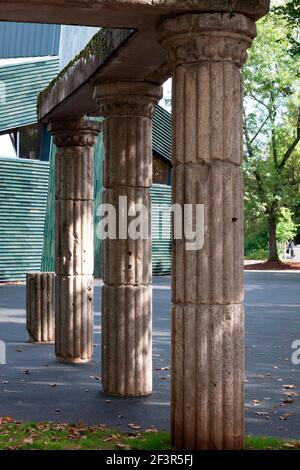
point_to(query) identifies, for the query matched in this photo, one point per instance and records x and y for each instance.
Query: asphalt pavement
(34, 387)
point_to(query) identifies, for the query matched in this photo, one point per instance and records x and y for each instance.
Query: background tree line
(272, 133)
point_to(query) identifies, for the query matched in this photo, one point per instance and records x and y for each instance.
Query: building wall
(20, 83)
(23, 200)
(27, 187)
(161, 220)
(28, 40)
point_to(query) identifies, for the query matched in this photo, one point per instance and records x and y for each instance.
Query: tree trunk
(273, 250)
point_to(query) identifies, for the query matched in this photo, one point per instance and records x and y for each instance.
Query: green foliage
(271, 125)
(259, 254)
(286, 228)
(290, 11)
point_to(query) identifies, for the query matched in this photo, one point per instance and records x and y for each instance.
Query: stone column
(207, 52)
(74, 238)
(40, 298)
(127, 268)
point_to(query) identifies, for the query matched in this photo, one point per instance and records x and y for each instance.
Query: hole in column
(234, 219)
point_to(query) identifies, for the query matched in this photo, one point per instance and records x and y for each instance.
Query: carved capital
(207, 37)
(127, 98)
(74, 133)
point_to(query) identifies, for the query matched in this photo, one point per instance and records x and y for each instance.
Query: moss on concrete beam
(105, 42)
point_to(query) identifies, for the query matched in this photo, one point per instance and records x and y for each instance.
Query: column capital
(207, 37)
(127, 98)
(74, 132)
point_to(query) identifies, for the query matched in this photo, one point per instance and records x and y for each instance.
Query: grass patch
(16, 435)
(270, 443)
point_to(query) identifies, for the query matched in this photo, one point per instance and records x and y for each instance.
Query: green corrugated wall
(23, 200)
(161, 223)
(161, 229)
(49, 238)
(47, 264)
(20, 84)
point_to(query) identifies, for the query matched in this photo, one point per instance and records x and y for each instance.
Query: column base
(72, 360)
(32, 341)
(129, 395)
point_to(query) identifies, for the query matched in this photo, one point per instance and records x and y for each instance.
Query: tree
(271, 127)
(286, 227)
(290, 11)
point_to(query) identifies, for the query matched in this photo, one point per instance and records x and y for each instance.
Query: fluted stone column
(207, 52)
(127, 267)
(40, 299)
(74, 238)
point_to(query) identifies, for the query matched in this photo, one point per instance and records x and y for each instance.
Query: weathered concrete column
(207, 52)
(74, 238)
(127, 267)
(40, 298)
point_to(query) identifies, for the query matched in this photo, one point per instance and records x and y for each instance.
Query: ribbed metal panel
(161, 202)
(47, 263)
(28, 40)
(19, 86)
(161, 229)
(23, 198)
(162, 133)
(161, 221)
(98, 191)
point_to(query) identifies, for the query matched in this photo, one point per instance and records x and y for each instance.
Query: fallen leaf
(6, 419)
(285, 416)
(290, 394)
(28, 440)
(255, 402)
(134, 426)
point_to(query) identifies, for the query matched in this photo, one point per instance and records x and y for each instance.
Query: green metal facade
(23, 200)
(161, 220)
(49, 237)
(20, 84)
(161, 229)
(162, 133)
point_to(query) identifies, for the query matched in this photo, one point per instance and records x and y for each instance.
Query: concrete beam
(121, 54)
(124, 54)
(71, 92)
(119, 13)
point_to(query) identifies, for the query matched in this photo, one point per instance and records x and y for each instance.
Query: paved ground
(34, 387)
